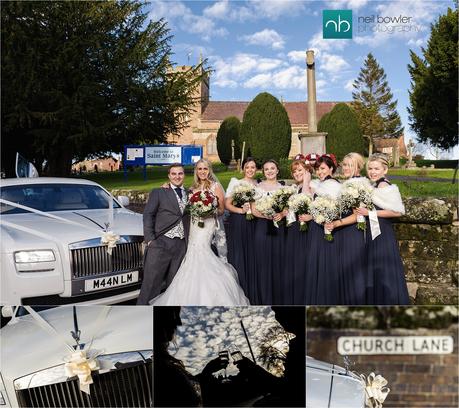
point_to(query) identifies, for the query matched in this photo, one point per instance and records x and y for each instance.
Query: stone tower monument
(312, 141)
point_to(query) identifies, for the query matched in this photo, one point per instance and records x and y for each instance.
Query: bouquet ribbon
(375, 390)
(108, 237)
(291, 217)
(374, 224)
(77, 363)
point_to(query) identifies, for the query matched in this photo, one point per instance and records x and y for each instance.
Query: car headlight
(34, 256)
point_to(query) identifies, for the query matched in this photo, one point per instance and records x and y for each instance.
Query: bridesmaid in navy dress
(322, 264)
(240, 233)
(386, 283)
(269, 244)
(296, 242)
(351, 245)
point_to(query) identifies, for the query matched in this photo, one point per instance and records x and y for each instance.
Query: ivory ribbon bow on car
(78, 362)
(108, 237)
(375, 390)
(81, 365)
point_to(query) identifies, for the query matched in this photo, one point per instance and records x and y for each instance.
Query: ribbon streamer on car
(108, 238)
(81, 362)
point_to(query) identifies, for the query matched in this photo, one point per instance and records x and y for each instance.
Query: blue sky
(257, 46)
(206, 330)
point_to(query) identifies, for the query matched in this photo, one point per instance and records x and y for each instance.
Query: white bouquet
(244, 193)
(324, 209)
(299, 205)
(280, 198)
(356, 193)
(265, 206)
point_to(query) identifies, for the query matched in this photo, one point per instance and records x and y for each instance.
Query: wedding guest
(294, 281)
(322, 264)
(351, 244)
(240, 231)
(386, 283)
(269, 244)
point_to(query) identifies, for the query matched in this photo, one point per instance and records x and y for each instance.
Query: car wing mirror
(123, 200)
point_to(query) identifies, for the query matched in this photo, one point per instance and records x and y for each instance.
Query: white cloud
(346, 4)
(219, 9)
(419, 42)
(349, 85)
(293, 77)
(225, 10)
(266, 37)
(197, 344)
(332, 64)
(297, 56)
(273, 9)
(231, 71)
(259, 81)
(178, 14)
(318, 44)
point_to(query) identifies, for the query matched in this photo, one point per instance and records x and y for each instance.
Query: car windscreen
(55, 197)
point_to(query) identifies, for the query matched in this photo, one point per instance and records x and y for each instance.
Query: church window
(212, 145)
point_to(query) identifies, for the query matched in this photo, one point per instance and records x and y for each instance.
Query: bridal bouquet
(244, 193)
(280, 198)
(299, 204)
(324, 209)
(356, 193)
(201, 204)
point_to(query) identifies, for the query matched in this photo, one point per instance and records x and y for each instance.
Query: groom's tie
(178, 190)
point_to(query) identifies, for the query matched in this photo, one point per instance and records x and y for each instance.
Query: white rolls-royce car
(51, 250)
(35, 350)
(331, 386)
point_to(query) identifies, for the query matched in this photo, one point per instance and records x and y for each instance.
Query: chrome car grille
(130, 386)
(92, 260)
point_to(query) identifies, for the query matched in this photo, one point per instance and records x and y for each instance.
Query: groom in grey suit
(166, 228)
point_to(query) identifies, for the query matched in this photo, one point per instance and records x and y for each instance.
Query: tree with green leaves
(344, 134)
(82, 79)
(374, 105)
(433, 108)
(226, 135)
(266, 129)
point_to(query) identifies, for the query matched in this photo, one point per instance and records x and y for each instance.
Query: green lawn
(419, 172)
(426, 189)
(155, 177)
(158, 175)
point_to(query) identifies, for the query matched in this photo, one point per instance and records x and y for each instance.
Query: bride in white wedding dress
(204, 279)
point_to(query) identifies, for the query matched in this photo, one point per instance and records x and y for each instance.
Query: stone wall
(428, 238)
(415, 380)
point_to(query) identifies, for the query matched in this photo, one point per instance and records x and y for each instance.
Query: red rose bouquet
(201, 204)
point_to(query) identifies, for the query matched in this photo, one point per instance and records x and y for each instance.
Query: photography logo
(337, 24)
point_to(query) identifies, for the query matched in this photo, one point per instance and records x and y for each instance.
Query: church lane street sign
(371, 345)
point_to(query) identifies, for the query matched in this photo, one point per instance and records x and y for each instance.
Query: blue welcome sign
(154, 155)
